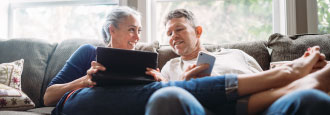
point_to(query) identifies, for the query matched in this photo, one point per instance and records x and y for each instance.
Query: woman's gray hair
(113, 18)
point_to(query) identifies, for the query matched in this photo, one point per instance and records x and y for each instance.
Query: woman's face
(127, 34)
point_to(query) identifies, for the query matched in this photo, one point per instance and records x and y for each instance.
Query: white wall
(4, 18)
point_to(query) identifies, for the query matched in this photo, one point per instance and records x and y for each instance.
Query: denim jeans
(210, 92)
(305, 102)
(174, 101)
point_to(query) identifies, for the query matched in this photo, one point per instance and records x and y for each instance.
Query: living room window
(323, 13)
(56, 20)
(223, 21)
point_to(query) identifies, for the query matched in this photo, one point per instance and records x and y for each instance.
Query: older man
(184, 38)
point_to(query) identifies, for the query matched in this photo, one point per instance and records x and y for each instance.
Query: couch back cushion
(287, 48)
(36, 54)
(256, 49)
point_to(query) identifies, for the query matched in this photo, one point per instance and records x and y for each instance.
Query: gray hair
(179, 13)
(113, 19)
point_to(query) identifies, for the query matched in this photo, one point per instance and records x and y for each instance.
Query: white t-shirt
(228, 61)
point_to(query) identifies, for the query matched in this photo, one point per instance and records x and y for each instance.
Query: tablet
(124, 66)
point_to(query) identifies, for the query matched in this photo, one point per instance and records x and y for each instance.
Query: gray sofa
(43, 59)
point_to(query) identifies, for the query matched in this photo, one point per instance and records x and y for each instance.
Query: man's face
(127, 34)
(182, 36)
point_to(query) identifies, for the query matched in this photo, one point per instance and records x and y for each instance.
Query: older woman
(122, 30)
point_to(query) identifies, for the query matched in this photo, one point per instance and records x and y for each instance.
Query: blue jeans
(210, 92)
(305, 102)
(174, 101)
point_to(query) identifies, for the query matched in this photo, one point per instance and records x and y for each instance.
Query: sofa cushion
(257, 49)
(151, 47)
(42, 110)
(19, 113)
(35, 53)
(287, 48)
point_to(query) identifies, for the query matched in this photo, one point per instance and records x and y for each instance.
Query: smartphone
(206, 58)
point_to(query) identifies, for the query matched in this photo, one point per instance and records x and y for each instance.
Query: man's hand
(194, 71)
(156, 74)
(86, 80)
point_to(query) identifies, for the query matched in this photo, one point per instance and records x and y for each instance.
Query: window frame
(284, 17)
(312, 17)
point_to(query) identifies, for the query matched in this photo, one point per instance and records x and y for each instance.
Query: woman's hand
(156, 74)
(194, 71)
(86, 81)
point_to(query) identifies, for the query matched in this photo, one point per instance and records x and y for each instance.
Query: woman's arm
(54, 93)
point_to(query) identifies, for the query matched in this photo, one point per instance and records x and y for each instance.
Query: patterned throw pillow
(14, 99)
(10, 73)
(11, 96)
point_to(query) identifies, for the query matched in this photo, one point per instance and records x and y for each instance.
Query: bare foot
(317, 80)
(323, 79)
(304, 65)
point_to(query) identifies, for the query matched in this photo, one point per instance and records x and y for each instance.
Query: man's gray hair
(113, 19)
(179, 13)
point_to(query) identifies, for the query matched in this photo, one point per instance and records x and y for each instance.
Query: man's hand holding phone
(204, 58)
(202, 68)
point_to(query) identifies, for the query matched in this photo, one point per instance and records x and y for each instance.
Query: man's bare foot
(311, 60)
